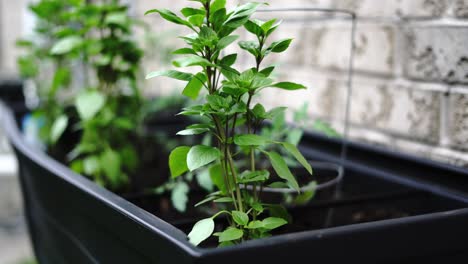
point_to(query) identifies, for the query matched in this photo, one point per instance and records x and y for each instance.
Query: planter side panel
(436, 239)
(69, 225)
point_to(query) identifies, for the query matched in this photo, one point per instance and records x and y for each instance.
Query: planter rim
(175, 235)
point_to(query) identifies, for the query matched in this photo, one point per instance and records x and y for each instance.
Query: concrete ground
(15, 247)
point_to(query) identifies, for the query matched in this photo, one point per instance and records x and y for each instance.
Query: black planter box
(72, 220)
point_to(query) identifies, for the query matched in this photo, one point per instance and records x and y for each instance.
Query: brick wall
(411, 69)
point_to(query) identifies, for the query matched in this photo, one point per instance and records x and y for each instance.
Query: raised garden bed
(389, 208)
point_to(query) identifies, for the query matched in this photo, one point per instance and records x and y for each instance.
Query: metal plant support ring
(337, 167)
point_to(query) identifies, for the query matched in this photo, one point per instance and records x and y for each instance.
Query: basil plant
(236, 161)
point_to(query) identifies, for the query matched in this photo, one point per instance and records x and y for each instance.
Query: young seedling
(231, 118)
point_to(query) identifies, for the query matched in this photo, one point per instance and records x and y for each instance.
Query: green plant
(231, 119)
(55, 70)
(109, 108)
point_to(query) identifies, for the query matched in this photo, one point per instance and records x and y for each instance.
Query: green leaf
(267, 71)
(110, 164)
(250, 46)
(255, 224)
(206, 200)
(297, 154)
(58, 127)
(66, 45)
(279, 46)
(217, 178)
(218, 18)
(273, 222)
(184, 51)
(182, 76)
(178, 161)
(201, 231)
(91, 165)
(117, 18)
(294, 136)
(192, 131)
(288, 86)
(88, 103)
(231, 233)
(253, 28)
(259, 111)
(188, 11)
(229, 59)
(204, 180)
(241, 15)
(240, 218)
(226, 41)
(201, 155)
(179, 196)
(192, 90)
(306, 196)
(207, 37)
(281, 168)
(170, 16)
(217, 5)
(196, 20)
(254, 176)
(224, 200)
(279, 211)
(268, 25)
(192, 61)
(257, 207)
(250, 140)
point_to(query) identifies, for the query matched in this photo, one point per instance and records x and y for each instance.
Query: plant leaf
(281, 168)
(192, 90)
(88, 103)
(201, 231)
(206, 200)
(253, 28)
(178, 161)
(58, 127)
(288, 86)
(201, 155)
(196, 20)
(255, 224)
(216, 5)
(298, 155)
(204, 180)
(224, 200)
(194, 60)
(184, 51)
(192, 131)
(182, 76)
(279, 46)
(66, 45)
(240, 218)
(170, 16)
(226, 41)
(229, 60)
(250, 140)
(254, 176)
(110, 164)
(179, 196)
(273, 222)
(188, 11)
(231, 233)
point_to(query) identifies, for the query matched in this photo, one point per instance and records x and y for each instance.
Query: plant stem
(234, 174)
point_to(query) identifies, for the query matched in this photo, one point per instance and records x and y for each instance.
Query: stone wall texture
(411, 67)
